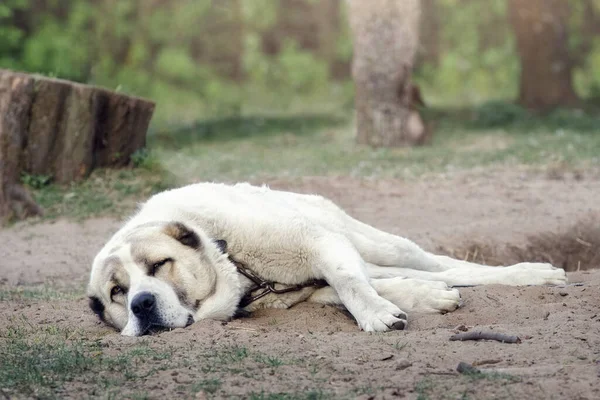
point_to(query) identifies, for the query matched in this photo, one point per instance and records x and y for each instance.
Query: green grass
(268, 360)
(459, 386)
(227, 129)
(49, 361)
(38, 362)
(328, 148)
(106, 191)
(231, 358)
(307, 395)
(42, 366)
(230, 354)
(45, 292)
(207, 385)
(423, 387)
(255, 148)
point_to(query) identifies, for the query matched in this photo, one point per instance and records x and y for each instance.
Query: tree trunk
(541, 29)
(385, 35)
(430, 33)
(62, 130)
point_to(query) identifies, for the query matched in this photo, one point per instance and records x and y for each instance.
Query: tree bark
(430, 33)
(15, 101)
(62, 130)
(541, 29)
(385, 35)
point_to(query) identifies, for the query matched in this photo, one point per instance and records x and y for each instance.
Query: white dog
(203, 250)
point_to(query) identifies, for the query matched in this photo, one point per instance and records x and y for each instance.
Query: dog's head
(158, 275)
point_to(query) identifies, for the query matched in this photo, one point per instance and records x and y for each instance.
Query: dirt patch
(574, 249)
(313, 351)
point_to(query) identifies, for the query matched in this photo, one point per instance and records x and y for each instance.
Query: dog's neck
(230, 288)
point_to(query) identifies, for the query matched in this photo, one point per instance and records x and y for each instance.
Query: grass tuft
(45, 292)
(308, 395)
(208, 385)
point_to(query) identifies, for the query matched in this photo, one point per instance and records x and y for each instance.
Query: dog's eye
(156, 266)
(116, 290)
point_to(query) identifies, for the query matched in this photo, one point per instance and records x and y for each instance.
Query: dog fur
(168, 266)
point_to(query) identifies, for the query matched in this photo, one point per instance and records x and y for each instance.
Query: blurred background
(256, 89)
(208, 58)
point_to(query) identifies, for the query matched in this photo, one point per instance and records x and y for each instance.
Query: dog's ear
(97, 307)
(183, 234)
(222, 245)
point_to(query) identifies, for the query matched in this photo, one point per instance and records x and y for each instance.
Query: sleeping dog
(201, 251)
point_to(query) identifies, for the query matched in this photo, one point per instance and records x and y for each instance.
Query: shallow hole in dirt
(573, 249)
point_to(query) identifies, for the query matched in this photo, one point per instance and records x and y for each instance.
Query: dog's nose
(143, 305)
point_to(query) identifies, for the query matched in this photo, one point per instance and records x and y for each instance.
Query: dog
(201, 251)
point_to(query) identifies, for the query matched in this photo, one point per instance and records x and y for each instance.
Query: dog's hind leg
(388, 250)
(412, 295)
(382, 250)
(375, 246)
(475, 274)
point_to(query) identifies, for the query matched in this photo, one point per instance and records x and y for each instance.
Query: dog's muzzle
(143, 307)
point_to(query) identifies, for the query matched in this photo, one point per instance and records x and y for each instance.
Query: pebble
(403, 364)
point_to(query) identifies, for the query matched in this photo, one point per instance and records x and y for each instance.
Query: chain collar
(265, 287)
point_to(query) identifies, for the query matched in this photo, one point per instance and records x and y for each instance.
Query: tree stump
(63, 130)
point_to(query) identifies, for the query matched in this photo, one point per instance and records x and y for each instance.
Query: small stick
(451, 373)
(241, 328)
(484, 362)
(479, 335)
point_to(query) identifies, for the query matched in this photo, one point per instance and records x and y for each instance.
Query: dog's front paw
(385, 319)
(535, 274)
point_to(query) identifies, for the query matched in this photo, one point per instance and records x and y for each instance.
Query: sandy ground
(313, 351)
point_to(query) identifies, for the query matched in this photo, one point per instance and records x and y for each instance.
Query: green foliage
(208, 58)
(575, 120)
(478, 56)
(496, 114)
(176, 63)
(35, 181)
(227, 129)
(300, 70)
(291, 73)
(61, 47)
(11, 36)
(260, 14)
(182, 53)
(144, 158)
